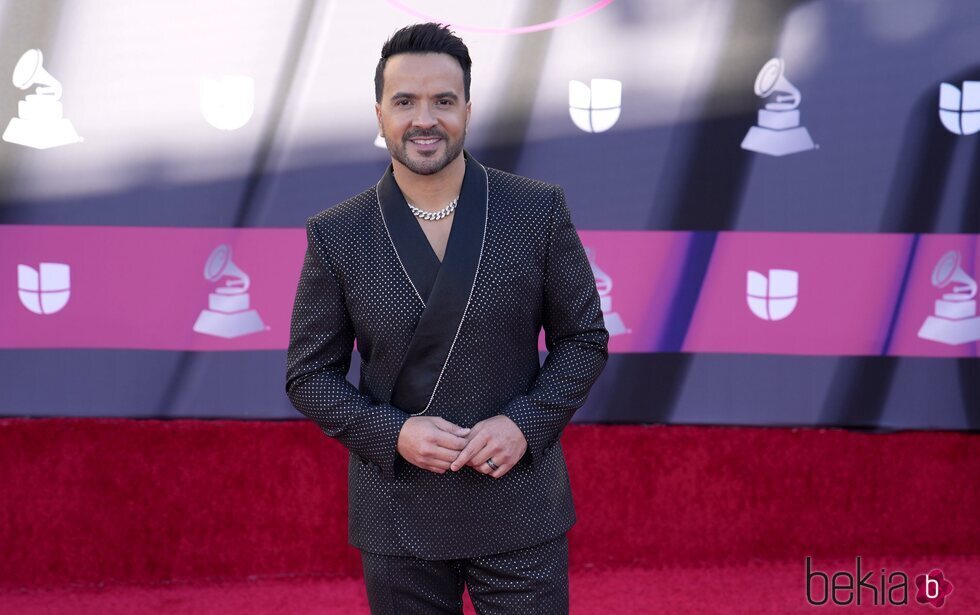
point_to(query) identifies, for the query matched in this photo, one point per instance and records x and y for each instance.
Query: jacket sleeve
(321, 339)
(575, 335)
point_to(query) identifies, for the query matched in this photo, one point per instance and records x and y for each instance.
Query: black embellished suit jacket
(457, 339)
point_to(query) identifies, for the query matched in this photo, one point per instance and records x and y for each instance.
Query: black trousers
(524, 582)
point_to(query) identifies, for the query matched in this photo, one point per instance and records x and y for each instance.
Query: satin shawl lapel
(420, 263)
(445, 289)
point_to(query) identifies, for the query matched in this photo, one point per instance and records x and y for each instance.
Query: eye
(445, 102)
(402, 102)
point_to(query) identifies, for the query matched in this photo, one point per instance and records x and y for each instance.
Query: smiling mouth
(428, 141)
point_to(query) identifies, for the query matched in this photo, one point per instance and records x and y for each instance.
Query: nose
(423, 119)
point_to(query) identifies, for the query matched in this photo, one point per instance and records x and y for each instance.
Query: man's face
(422, 114)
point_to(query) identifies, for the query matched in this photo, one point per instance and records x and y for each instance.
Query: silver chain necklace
(433, 215)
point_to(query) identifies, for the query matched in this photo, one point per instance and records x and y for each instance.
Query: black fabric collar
(412, 246)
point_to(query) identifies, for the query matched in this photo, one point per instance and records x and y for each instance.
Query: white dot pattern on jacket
(532, 272)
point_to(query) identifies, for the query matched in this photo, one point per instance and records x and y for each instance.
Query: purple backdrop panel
(145, 287)
(799, 293)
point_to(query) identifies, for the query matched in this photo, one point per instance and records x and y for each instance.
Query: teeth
(424, 141)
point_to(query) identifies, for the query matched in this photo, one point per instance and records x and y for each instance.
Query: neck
(431, 192)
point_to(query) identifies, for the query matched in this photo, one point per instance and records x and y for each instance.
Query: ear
(377, 112)
(469, 107)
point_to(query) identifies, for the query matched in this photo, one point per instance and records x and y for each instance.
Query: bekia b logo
(932, 588)
(227, 104)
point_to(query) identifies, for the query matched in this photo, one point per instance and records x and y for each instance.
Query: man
(444, 273)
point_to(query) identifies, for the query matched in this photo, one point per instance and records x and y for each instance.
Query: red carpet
(759, 588)
(176, 516)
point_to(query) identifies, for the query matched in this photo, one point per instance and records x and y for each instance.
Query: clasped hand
(435, 444)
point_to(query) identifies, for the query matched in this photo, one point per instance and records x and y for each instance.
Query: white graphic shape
(775, 297)
(228, 314)
(44, 290)
(595, 108)
(955, 320)
(228, 103)
(39, 123)
(778, 132)
(960, 111)
(603, 283)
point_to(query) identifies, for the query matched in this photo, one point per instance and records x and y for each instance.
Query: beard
(425, 164)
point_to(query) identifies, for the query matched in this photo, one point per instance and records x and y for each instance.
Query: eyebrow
(399, 95)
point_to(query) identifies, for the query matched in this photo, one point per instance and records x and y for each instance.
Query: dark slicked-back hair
(424, 38)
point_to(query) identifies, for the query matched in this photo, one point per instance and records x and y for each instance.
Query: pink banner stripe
(768, 293)
(637, 274)
(840, 302)
(144, 287)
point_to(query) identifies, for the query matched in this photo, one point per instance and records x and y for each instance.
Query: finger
(450, 427)
(502, 468)
(438, 468)
(479, 459)
(445, 439)
(436, 461)
(467, 453)
(444, 455)
(487, 447)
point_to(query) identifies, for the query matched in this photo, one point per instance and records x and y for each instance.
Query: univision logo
(773, 297)
(228, 103)
(44, 290)
(595, 107)
(960, 110)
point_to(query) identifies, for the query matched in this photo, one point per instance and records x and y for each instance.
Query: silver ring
(492, 464)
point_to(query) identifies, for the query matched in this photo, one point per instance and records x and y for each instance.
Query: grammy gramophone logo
(778, 132)
(954, 319)
(40, 122)
(229, 313)
(604, 284)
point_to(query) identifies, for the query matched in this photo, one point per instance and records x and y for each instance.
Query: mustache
(424, 134)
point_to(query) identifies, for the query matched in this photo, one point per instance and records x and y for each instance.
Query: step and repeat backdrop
(780, 199)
